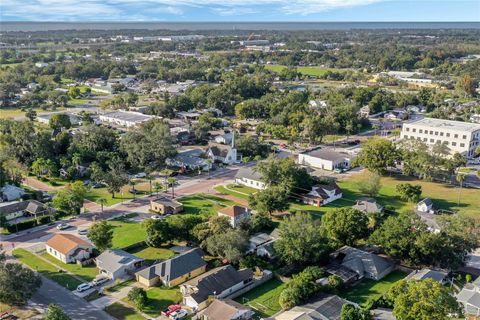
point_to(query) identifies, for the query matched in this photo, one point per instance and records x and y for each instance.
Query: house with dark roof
(68, 248)
(250, 178)
(368, 205)
(217, 283)
(13, 210)
(225, 310)
(322, 307)
(235, 214)
(174, 271)
(118, 264)
(164, 205)
(325, 159)
(469, 297)
(193, 159)
(225, 153)
(10, 192)
(322, 194)
(439, 276)
(364, 263)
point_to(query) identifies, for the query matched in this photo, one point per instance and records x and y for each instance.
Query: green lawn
(46, 269)
(308, 71)
(121, 312)
(79, 101)
(203, 203)
(96, 193)
(151, 254)
(160, 298)
(88, 272)
(371, 289)
(242, 189)
(232, 192)
(264, 298)
(443, 196)
(126, 232)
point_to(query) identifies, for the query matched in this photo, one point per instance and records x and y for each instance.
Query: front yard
(46, 269)
(159, 298)
(264, 298)
(88, 272)
(370, 289)
(126, 232)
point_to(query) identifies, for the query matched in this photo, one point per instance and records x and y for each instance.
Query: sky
(240, 10)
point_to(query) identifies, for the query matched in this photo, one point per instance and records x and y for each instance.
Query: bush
(27, 224)
(139, 297)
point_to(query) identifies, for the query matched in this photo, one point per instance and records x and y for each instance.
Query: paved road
(75, 307)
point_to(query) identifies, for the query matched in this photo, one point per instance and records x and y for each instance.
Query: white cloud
(131, 9)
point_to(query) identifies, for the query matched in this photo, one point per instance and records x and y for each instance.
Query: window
(441, 134)
(448, 134)
(455, 135)
(425, 139)
(414, 130)
(407, 129)
(436, 133)
(454, 144)
(420, 131)
(462, 145)
(464, 137)
(431, 132)
(446, 143)
(432, 140)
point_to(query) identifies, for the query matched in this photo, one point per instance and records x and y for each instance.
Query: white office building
(461, 137)
(125, 118)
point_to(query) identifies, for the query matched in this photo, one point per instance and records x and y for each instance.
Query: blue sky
(240, 10)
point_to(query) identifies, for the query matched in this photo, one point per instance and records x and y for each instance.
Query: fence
(267, 275)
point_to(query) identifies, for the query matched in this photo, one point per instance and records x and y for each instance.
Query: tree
(300, 242)
(73, 92)
(101, 234)
(133, 183)
(460, 178)
(17, 282)
(230, 245)
(369, 183)
(376, 155)
(260, 222)
(409, 192)
(157, 186)
(421, 300)
(138, 296)
(467, 85)
(31, 114)
(115, 181)
(274, 198)
(214, 225)
(345, 226)
(158, 232)
(350, 312)
(60, 121)
(102, 201)
(55, 312)
(70, 199)
(171, 181)
(301, 287)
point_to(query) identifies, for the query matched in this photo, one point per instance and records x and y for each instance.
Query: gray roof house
(322, 307)
(118, 264)
(469, 297)
(365, 264)
(192, 159)
(14, 210)
(174, 271)
(10, 192)
(368, 205)
(250, 178)
(425, 273)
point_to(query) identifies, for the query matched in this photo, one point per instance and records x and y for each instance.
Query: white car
(157, 217)
(63, 226)
(178, 314)
(83, 232)
(100, 280)
(84, 287)
(140, 175)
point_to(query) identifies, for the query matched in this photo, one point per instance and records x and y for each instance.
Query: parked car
(339, 170)
(133, 191)
(171, 309)
(140, 175)
(100, 280)
(157, 217)
(178, 314)
(84, 287)
(63, 226)
(83, 232)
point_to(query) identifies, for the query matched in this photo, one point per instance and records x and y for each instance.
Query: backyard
(264, 298)
(370, 289)
(151, 254)
(159, 299)
(46, 269)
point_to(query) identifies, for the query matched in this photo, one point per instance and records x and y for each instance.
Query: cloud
(151, 9)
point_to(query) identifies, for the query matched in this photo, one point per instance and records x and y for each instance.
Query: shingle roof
(368, 205)
(217, 281)
(176, 266)
(233, 211)
(112, 260)
(219, 150)
(222, 309)
(328, 154)
(248, 173)
(322, 307)
(427, 274)
(167, 202)
(64, 242)
(361, 261)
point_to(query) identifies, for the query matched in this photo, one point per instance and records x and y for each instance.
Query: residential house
(174, 271)
(13, 210)
(10, 192)
(469, 297)
(347, 275)
(425, 205)
(235, 214)
(365, 264)
(250, 178)
(322, 307)
(224, 138)
(68, 248)
(164, 205)
(439, 276)
(219, 283)
(368, 205)
(266, 249)
(118, 264)
(257, 240)
(322, 194)
(325, 159)
(226, 154)
(189, 160)
(226, 309)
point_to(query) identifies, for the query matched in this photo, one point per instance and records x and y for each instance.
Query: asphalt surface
(75, 307)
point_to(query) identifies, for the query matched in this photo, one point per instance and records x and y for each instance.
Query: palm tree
(150, 178)
(157, 186)
(133, 183)
(102, 202)
(460, 178)
(171, 182)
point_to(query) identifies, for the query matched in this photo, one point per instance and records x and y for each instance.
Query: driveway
(75, 307)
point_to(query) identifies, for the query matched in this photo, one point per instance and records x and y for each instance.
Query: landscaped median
(47, 269)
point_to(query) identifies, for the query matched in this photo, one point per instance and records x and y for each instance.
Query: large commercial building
(125, 118)
(461, 137)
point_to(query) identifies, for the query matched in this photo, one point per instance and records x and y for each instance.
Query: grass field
(151, 254)
(96, 193)
(203, 203)
(371, 289)
(232, 192)
(122, 312)
(159, 299)
(46, 269)
(308, 71)
(126, 232)
(264, 298)
(443, 196)
(88, 272)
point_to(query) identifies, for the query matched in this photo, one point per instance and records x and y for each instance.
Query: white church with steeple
(225, 153)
